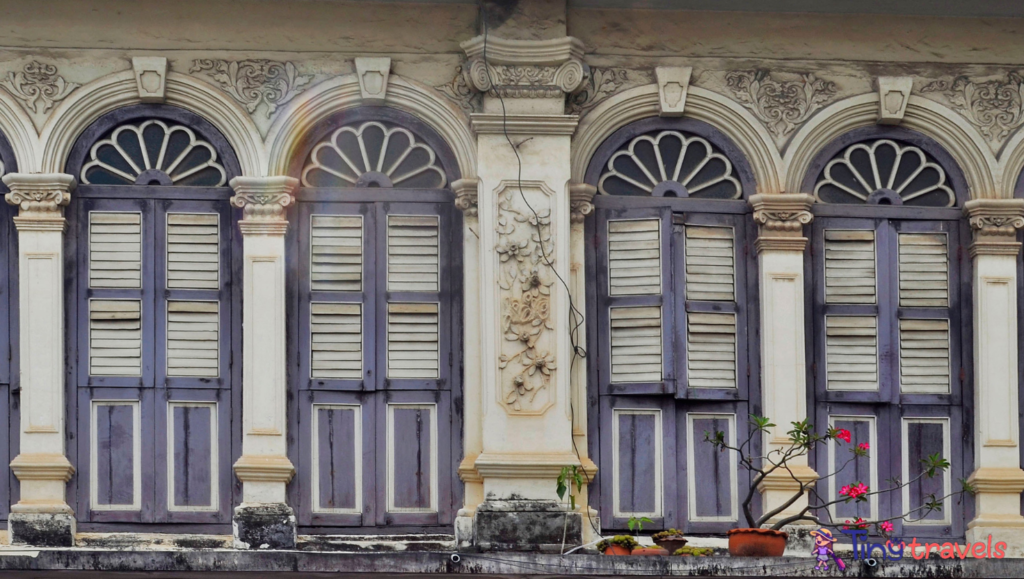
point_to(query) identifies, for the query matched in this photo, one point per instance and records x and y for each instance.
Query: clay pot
(757, 543)
(671, 544)
(616, 550)
(649, 551)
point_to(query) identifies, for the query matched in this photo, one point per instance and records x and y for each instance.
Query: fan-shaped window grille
(153, 152)
(670, 164)
(373, 154)
(885, 172)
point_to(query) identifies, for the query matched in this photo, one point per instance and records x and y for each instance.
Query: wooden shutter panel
(849, 266)
(634, 257)
(710, 263)
(337, 340)
(193, 338)
(711, 350)
(924, 270)
(336, 254)
(413, 340)
(636, 344)
(413, 253)
(924, 356)
(115, 337)
(115, 249)
(193, 251)
(851, 352)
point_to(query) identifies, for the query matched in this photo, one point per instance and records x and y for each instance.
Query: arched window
(155, 319)
(375, 357)
(673, 338)
(889, 347)
(9, 383)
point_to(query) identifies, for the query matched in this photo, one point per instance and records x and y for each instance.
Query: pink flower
(861, 488)
(843, 435)
(886, 526)
(864, 446)
(845, 491)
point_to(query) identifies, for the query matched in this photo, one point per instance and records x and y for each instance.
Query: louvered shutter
(924, 270)
(713, 320)
(633, 280)
(413, 264)
(115, 249)
(115, 337)
(193, 251)
(851, 352)
(337, 291)
(193, 338)
(849, 266)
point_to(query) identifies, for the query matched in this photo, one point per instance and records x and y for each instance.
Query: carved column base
(260, 527)
(778, 487)
(42, 529)
(518, 525)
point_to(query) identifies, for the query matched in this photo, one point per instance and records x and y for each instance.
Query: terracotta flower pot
(671, 544)
(757, 543)
(616, 550)
(649, 551)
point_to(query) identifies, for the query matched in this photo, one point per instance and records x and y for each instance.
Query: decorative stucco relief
(255, 82)
(461, 92)
(525, 257)
(38, 86)
(780, 104)
(996, 107)
(602, 83)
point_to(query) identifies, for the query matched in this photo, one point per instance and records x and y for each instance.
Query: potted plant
(618, 545)
(757, 541)
(636, 524)
(670, 539)
(693, 551)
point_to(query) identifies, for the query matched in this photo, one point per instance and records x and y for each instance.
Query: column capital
(466, 195)
(263, 201)
(995, 223)
(525, 68)
(581, 201)
(40, 198)
(781, 219)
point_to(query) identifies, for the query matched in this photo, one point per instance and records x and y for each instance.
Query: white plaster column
(780, 253)
(997, 477)
(264, 468)
(524, 226)
(466, 194)
(42, 515)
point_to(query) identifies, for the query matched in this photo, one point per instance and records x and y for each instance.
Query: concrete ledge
(229, 564)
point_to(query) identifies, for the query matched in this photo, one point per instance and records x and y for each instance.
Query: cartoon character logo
(823, 541)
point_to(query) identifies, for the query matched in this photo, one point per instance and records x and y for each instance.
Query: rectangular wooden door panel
(337, 453)
(853, 470)
(712, 483)
(923, 437)
(638, 464)
(192, 446)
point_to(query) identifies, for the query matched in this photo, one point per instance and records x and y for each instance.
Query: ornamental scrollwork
(38, 86)
(526, 81)
(780, 105)
(254, 82)
(525, 254)
(783, 220)
(996, 107)
(603, 82)
(459, 91)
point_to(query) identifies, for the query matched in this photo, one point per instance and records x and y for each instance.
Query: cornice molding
(272, 468)
(493, 124)
(525, 68)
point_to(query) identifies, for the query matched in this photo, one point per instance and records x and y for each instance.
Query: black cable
(576, 317)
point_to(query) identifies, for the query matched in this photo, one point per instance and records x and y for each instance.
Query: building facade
(274, 270)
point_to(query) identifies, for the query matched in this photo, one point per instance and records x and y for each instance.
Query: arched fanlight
(885, 172)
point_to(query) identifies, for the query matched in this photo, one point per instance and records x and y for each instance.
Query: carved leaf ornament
(884, 172)
(780, 105)
(996, 107)
(153, 152)
(523, 241)
(256, 81)
(38, 86)
(670, 164)
(373, 154)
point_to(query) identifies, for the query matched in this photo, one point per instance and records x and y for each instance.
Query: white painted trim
(659, 462)
(702, 104)
(961, 140)
(214, 458)
(315, 105)
(691, 474)
(434, 448)
(872, 457)
(905, 475)
(94, 504)
(357, 443)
